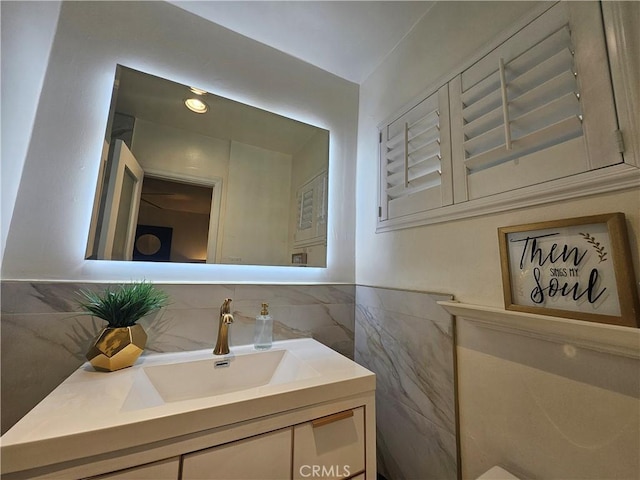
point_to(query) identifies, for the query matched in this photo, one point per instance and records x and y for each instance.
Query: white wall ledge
(602, 337)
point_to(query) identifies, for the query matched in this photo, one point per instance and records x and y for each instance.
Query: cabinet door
(163, 470)
(263, 457)
(331, 447)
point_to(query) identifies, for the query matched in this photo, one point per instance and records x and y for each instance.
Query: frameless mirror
(189, 176)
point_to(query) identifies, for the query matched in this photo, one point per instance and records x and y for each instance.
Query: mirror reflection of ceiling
(161, 101)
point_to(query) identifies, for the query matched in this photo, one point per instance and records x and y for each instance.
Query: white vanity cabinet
(312, 417)
(330, 447)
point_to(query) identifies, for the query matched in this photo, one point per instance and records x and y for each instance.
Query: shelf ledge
(602, 337)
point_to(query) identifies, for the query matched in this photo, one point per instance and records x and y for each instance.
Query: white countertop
(91, 412)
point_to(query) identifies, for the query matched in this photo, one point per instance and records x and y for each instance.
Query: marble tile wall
(407, 339)
(44, 339)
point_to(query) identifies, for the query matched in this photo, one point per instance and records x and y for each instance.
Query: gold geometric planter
(117, 348)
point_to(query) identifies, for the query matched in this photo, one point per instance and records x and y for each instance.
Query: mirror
(217, 181)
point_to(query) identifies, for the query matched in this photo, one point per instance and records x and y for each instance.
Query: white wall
(159, 148)
(53, 206)
(255, 229)
(27, 35)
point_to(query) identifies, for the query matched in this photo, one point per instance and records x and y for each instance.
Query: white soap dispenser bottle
(264, 329)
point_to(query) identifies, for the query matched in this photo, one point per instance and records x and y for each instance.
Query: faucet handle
(225, 308)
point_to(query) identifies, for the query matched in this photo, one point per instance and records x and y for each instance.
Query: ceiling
(347, 38)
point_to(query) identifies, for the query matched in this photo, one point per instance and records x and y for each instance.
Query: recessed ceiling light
(198, 91)
(196, 105)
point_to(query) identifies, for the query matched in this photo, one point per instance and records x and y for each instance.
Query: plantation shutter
(305, 210)
(415, 172)
(519, 114)
(311, 215)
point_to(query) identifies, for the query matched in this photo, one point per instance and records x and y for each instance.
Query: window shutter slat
(422, 171)
(546, 92)
(432, 159)
(561, 62)
(395, 166)
(551, 135)
(394, 154)
(554, 47)
(426, 121)
(547, 114)
(419, 184)
(428, 147)
(426, 135)
(486, 141)
(535, 92)
(395, 141)
(484, 123)
(548, 136)
(478, 93)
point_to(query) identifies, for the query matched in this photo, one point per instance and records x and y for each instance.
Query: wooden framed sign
(577, 268)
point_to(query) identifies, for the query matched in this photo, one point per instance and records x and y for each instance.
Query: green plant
(124, 305)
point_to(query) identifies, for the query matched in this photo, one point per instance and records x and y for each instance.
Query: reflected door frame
(215, 183)
(92, 245)
(123, 164)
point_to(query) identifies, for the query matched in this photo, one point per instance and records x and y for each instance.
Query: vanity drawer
(263, 457)
(331, 447)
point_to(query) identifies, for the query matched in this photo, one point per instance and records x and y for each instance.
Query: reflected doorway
(173, 221)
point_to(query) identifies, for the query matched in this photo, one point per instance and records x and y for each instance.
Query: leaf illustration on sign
(602, 255)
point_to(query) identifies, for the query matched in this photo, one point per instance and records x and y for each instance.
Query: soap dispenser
(264, 329)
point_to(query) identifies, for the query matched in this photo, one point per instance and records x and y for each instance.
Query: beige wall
(540, 406)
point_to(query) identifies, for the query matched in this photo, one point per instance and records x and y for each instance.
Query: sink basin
(231, 373)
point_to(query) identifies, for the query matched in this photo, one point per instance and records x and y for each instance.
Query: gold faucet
(222, 345)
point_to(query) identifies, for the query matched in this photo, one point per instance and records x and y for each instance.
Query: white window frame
(625, 175)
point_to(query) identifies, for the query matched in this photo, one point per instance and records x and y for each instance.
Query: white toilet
(497, 473)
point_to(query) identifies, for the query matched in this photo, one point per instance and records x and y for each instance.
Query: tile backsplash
(407, 340)
(44, 337)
